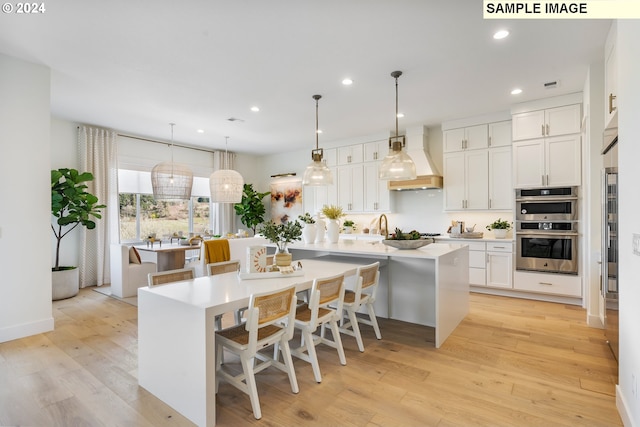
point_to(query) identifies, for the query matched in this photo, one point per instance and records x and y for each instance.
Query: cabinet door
(500, 269)
(350, 154)
(528, 163)
(477, 179)
(527, 125)
(330, 158)
(500, 134)
(454, 181)
(563, 120)
(500, 188)
(452, 140)
(376, 193)
(562, 158)
(350, 188)
(376, 150)
(476, 137)
(611, 87)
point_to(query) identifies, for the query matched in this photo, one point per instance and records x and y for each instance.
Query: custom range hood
(428, 175)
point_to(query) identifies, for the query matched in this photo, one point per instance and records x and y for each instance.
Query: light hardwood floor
(511, 362)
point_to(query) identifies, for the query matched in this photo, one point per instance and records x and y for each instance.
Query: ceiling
(136, 66)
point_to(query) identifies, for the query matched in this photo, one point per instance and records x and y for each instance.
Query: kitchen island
(427, 286)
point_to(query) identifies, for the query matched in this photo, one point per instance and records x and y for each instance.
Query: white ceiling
(136, 66)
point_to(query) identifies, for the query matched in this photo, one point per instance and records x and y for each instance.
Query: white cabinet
(547, 162)
(553, 284)
(376, 150)
(500, 189)
(468, 138)
(500, 134)
(611, 79)
(350, 154)
(500, 265)
(350, 188)
(466, 180)
(544, 123)
(314, 198)
(477, 264)
(376, 193)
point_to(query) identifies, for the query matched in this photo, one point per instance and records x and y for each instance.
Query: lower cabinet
(555, 284)
(491, 264)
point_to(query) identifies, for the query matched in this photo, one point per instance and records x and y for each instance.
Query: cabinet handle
(547, 126)
(545, 283)
(348, 159)
(542, 176)
(489, 141)
(499, 247)
(547, 179)
(611, 107)
(542, 126)
(489, 203)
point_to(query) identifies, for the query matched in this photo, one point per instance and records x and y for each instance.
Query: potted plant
(251, 209)
(500, 228)
(349, 226)
(333, 214)
(309, 228)
(281, 235)
(72, 205)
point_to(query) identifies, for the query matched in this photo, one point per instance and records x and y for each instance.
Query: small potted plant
(309, 227)
(333, 213)
(500, 228)
(348, 226)
(281, 235)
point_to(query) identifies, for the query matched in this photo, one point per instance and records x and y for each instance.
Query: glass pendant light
(397, 165)
(226, 184)
(171, 181)
(317, 173)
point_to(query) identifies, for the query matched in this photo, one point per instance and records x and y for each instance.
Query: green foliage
(332, 211)
(281, 234)
(399, 235)
(348, 223)
(499, 224)
(71, 204)
(307, 218)
(251, 209)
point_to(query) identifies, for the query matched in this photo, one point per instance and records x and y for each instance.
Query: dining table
(176, 334)
(169, 256)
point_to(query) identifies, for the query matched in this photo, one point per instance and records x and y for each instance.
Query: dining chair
(169, 276)
(223, 267)
(269, 322)
(325, 292)
(367, 278)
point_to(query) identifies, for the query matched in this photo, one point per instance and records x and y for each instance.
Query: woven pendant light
(317, 173)
(226, 184)
(170, 180)
(397, 165)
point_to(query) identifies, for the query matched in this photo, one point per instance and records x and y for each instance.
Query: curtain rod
(167, 143)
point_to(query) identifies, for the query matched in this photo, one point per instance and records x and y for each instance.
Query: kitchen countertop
(445, 238)
(374, 248)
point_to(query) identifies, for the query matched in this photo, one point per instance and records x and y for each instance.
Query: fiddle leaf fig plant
(71, 204)
(251, 209)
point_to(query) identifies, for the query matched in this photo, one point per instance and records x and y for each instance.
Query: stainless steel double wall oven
(547, 230)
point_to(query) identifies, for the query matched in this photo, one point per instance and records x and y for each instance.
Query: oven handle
(546, 233)
(546, 198)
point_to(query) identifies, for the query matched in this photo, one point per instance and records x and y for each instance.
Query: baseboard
(594, 321)
(623, 408)
(26, 330)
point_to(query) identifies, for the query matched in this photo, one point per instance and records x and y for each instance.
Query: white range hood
(428, 175)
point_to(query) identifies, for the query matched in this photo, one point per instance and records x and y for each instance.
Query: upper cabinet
(376, 150)
(468, 138)
(610, 79)
(350, 154)
(543, 123)
(500, 134)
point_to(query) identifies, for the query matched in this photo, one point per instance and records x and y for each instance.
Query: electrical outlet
(635, 242)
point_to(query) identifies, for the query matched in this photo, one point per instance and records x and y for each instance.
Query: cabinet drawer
(499, 247)
(556, 284)
(476, 246)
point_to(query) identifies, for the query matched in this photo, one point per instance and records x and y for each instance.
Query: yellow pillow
(134, 256)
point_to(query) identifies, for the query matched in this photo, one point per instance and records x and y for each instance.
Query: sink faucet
(386, 226)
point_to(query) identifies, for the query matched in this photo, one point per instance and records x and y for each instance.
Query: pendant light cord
(172, 125)
(317, 97)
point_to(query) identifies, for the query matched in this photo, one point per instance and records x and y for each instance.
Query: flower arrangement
(332, 211)
(499, 224)
(281, 234)
(307, 218)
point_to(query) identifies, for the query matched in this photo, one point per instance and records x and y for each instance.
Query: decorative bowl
(407, 244)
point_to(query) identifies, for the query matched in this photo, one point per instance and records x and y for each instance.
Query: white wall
(25, 289)
(629, 176)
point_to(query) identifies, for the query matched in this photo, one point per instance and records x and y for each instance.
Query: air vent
(552, 85)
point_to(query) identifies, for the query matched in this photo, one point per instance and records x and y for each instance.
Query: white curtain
(223, 214)
(99, 155)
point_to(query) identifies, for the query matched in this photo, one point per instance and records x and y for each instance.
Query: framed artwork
(286, 199)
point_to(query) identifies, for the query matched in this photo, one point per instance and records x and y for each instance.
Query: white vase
(320, 230)
(333, 231)
(309, 233)
(500, 233)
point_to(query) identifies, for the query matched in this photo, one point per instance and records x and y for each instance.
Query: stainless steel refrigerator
(609, 276)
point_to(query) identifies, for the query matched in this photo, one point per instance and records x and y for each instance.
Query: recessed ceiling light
(500, 34)
(255, 109)
(516, 91)
(400, 115)
(319, 131)
(347, 82)
(200, 131)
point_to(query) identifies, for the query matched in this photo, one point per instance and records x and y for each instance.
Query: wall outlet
(635, 242)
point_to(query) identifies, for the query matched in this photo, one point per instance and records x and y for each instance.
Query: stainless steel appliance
(547, 204)
(547, 246)
(609, 276)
